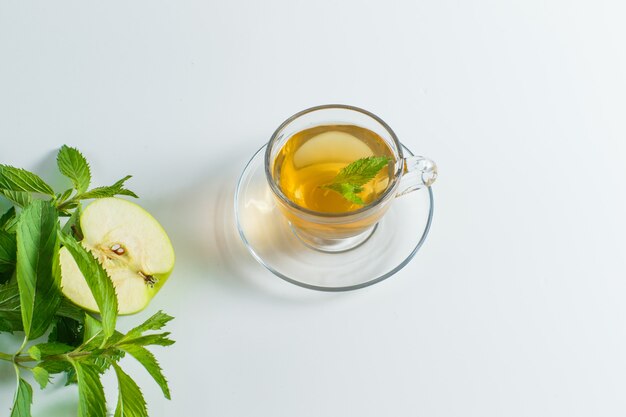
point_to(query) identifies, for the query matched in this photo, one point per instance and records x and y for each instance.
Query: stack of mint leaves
(59, 337)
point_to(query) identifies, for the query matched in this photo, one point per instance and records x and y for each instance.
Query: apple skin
(131, 246)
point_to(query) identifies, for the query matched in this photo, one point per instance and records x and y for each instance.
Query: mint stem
(17, 359)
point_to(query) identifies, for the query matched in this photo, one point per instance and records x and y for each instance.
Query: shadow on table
(200, 220)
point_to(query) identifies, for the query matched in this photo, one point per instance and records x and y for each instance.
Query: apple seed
(118, 249)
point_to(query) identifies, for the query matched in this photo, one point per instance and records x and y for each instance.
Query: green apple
(131, 246)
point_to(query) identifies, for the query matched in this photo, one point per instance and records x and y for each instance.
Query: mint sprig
(73, 165)
(80, 345)
(350, 180)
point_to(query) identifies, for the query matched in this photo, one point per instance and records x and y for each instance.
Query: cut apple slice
(131, 246)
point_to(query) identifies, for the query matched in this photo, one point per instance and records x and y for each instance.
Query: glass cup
(338, 232)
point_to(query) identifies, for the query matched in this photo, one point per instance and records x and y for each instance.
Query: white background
(516, 304)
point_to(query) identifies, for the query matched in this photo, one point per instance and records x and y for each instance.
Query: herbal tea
(311, 165)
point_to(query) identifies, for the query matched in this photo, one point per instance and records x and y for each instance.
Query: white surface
(515, 306)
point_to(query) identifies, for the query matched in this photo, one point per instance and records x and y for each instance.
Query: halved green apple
(131, 246)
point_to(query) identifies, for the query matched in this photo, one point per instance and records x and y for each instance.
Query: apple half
(131, 246)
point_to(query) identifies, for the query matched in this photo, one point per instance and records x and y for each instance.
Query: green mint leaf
(147, 359)
(348, 191)
(7, 218)
(17, 179)
(42, 350)
(362, 171)
(120, 183)
(350, 179)
(10, 314)
(38, 271)
(98, 281)
(11, 219)
(73, 165)
(41, 376)
(91, 400)
(70, 377)
(156, 322)
(56, 366)
(64, 195)
(23, 400)
(93, 335)
(103, 361)
(130, 401)
(68, 324)
(67, 207)
(8, 252)
(6, 326)
(66, 330)
(71, 311)
(160, 339)
(110, 191)
(21, 198)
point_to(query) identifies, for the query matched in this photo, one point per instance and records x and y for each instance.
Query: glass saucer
(271, 241)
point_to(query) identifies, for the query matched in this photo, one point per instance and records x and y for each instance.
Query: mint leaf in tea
(351, 179)
(333, 168)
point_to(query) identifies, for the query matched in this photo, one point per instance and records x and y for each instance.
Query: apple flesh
(131, 246)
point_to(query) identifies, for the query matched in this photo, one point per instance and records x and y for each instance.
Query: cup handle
(419, 172)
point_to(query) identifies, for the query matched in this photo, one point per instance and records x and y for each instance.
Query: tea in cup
(335, 170)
